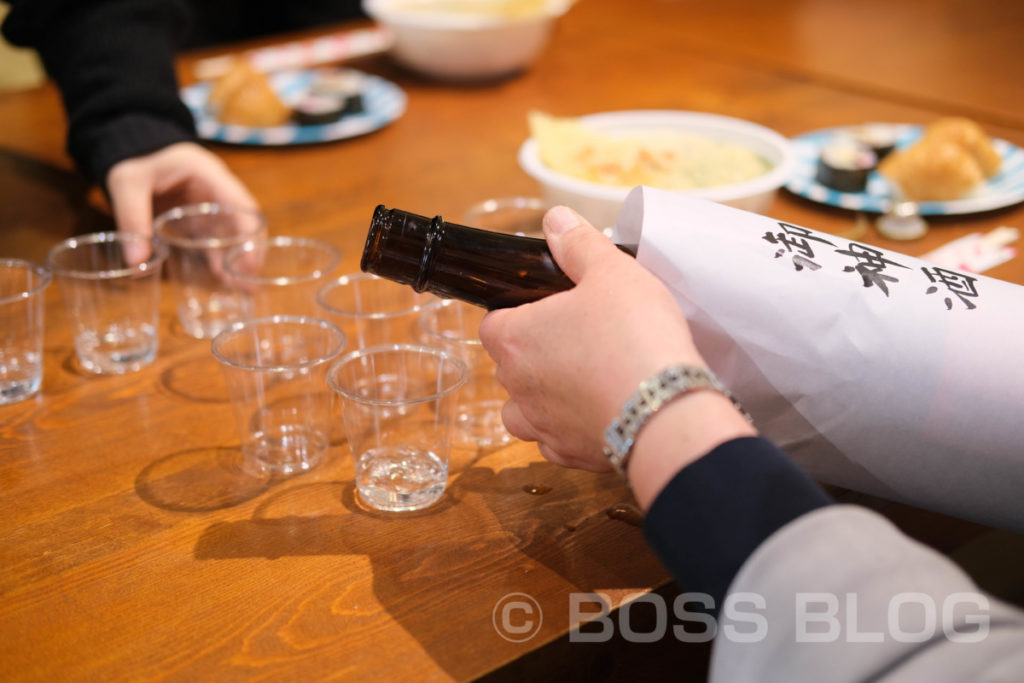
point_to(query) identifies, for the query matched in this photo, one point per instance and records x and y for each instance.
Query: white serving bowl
(600, 204)
(461, 46)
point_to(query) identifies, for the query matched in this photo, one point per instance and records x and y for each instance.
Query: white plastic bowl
(600, 204)
(458, 46)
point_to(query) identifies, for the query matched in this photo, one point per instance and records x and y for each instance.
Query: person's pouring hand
(571, 360)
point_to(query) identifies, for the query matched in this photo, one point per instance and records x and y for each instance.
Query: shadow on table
(200, 480)
(495, 532)
(53, 203)
(197, 378)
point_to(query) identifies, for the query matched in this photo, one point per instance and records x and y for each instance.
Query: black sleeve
(717, 511)
(113, 61)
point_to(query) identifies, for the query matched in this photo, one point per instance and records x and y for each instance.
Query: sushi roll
(346, 84)
(844, 165)
(334, 93)
(318, 110)
(881, 138)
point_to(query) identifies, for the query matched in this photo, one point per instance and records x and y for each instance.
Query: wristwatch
(649, 398)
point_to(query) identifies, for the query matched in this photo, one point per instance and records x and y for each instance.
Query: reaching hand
(183, 173)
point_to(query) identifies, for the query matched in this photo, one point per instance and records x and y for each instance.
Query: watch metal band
(651, 396)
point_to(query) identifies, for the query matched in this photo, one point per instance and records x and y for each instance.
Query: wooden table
(131, 545)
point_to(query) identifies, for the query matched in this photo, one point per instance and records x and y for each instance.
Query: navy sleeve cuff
(715, 512)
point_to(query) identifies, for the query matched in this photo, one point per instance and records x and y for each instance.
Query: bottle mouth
(374, 237)
(401, 246)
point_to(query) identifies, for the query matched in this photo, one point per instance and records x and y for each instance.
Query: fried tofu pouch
(971, 137)
(243, 96)
(952, 158)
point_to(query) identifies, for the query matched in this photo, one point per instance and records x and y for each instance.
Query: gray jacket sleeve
(840, 594)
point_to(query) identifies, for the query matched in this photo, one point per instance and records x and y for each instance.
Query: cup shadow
(495, 532)
(73, 366)
(198, 379)
(200, 480)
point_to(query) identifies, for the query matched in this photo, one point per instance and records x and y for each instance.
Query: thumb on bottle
(576, 245)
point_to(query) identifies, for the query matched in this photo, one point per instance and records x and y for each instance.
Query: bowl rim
(383, 11)
(530, 161)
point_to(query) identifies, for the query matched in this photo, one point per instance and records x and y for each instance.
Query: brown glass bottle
(489, 269)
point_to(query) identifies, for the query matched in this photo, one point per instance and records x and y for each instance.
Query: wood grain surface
(132, 545)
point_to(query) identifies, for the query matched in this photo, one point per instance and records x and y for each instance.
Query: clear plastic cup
(510, 215)
(281, 275)
(198, 236)
(110, 283)
(371, 310)
(21, 328)
(275, 370)
(397, 403)
(454, 326)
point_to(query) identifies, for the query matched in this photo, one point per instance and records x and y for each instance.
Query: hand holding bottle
(571, 360)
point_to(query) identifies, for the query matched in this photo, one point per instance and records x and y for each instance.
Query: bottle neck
(457, 261)
(432, 246)
(489, 269)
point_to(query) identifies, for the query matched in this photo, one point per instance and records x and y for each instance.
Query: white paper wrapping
(874, 371)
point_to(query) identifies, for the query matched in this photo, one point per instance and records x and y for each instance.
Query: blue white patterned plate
(1005, 189)
(383, 102)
